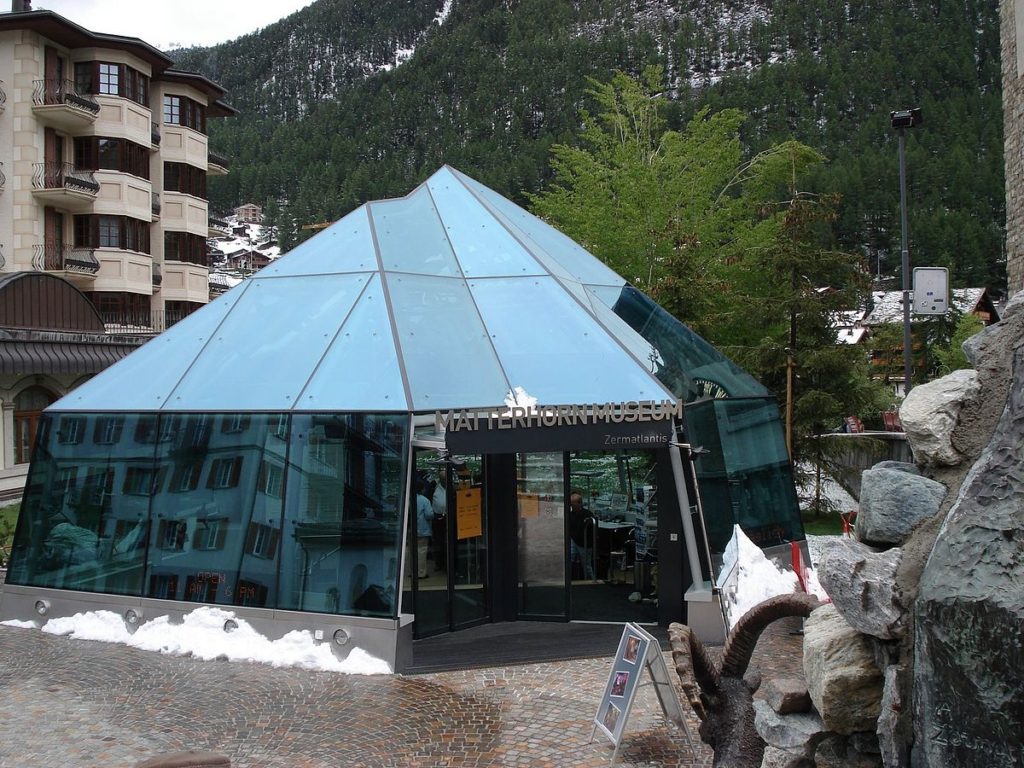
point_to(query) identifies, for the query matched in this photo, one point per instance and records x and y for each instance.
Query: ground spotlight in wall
(133, 617)
(340, 636)
(230, 625)
(42, 607)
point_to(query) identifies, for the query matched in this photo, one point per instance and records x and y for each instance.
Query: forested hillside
(332, 113)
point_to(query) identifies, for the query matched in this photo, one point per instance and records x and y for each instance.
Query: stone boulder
(795, 733)
(902, 466)
(862, 585)
(969, 648)
(893, 721)
(893, 503)
(840, 752)
(786, 695)
(929, 415)
(781, 758)
(842, 678)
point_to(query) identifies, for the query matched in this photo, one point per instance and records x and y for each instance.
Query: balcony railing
(219, 225)
(63, 176)
(156, 203)
(215, 158)
(53, 91)
(3, 95)
(158, 275)
(62, 257)
(141, 321)
(154, 134)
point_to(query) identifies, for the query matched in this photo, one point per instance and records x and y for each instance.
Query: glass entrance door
(540, 496)
(447, 543)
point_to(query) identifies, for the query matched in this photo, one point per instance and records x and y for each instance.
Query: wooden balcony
(217, 164)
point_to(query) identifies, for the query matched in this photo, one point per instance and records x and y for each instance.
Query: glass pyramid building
(244, 455)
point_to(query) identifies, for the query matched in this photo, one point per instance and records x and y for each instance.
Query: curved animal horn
(739, 646)
(693, 664)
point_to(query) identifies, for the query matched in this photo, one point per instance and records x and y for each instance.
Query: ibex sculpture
(722, 698)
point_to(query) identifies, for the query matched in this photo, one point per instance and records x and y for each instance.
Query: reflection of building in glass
(277, 471)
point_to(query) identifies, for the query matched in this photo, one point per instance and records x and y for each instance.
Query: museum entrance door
(446, 573)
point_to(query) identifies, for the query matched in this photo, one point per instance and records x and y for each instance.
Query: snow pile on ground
(201, 634)
(749, 577)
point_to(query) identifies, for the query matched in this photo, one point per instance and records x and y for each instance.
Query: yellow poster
(468, 514)
(529, 505)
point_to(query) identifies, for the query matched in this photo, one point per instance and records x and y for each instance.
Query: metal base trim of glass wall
(386, 639)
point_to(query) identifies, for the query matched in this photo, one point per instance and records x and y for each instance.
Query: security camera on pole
(901, 120)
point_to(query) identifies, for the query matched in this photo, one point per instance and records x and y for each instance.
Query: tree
(729, 244)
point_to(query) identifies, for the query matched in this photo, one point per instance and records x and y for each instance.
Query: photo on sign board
(632, 647)
(619, 684)
(611, 717)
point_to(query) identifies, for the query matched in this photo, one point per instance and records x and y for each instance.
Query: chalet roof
(888, 305)
(450, 297)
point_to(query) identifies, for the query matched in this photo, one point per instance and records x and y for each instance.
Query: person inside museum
(424, 529)
(580, 549)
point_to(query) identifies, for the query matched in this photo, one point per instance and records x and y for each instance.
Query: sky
(167, 24)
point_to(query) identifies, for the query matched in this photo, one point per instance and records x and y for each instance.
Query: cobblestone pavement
(85, 704)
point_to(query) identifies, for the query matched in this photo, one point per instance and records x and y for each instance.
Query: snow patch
(201, 635)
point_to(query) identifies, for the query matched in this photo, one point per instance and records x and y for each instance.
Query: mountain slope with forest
(351, 100)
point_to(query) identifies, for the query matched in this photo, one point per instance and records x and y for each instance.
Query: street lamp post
(901, 120)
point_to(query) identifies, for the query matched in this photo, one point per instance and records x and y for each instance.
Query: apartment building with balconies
(104, 160)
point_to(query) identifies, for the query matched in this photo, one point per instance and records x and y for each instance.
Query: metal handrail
(56, 91)
(215, 158)
(144, 320)
(63, 176)
(62, 257)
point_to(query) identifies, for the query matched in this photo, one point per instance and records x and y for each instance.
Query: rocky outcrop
(842, 678)
(893, 503)
(969, 648)
(929, 415)
(862, 583)
(786, 695)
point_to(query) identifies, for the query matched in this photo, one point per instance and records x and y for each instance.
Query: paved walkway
(84, 704)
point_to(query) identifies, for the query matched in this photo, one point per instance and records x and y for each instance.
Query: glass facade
(290, 511)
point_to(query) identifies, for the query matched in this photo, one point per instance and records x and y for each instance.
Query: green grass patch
(824, 524)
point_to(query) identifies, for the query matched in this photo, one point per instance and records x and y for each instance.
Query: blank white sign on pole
(931, 290)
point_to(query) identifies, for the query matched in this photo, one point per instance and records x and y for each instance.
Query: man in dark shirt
(580, 549)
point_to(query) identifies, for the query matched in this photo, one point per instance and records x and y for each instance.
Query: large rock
(902, 466)
(800, 732)
(786, 695)
(842, 678)
(929, 415)
(969, 647)
(893, 721)
(781, 758)
(862, 585)
(839, 752)
(893, 503)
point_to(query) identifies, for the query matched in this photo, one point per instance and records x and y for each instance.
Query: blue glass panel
(448, 356)
(215, 530)
(360, 371)
(342, 544)
(482, 245)
(85, 513)
(410, 236)
(264, 352)
(545, 241)
(638, 346)
(580, 363)
(687, 364)
(345, 246)
(745, 476)
(143, 380)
